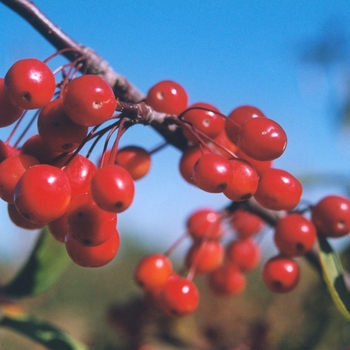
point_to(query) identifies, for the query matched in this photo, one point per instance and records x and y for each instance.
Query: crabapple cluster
(46, 181)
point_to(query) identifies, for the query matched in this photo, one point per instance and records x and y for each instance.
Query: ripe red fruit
(112, 188)
(204, 120)
(11, 170)
(9, 113)
(59, 228)
(89, 100)
(205, 224)
(79, 171)
(331, 216)
(153, 271)
(239, 116)
(294, 235)
(245, 223)
(19, 220)
(42, 194)
(227, 280)
(188, 160)
(278, 190)
(179, 296)
(95, 256)
(244, 181)
(136, 160)
(87, 222)
(57, 130)
(212, 172)
(262, 139)
(6, 150)
(244, 253)
(222, 145)
(30, 84)
(167, 97)
(205, 256)
(281, 274)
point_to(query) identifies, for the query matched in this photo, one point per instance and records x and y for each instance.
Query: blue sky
(226, 53)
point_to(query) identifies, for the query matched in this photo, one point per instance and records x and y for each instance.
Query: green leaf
(43, 268)
(42, 332)
(333, 276)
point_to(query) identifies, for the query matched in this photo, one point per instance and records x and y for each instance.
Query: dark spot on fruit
(26, 96)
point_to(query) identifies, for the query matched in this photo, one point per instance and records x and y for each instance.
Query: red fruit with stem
(244, 181)
(112, 188)
(188, 159)
(227, 280)
(88, 223)
(57, 130)
(153, 271)
(179, 296)
(239, 116)
(11, 170)
(205, 224)
(96, 256)
(89, 100)
(212, 172)
(9, 113)
(205, 256)
(79, 171)
(244, 253)
(281, 274)
(42, 194)
(262, 139)
(331, 216)
(30, 84)
(245, 223)
(136, 160)
(221, 144)
(168, 97)
(294, 235)
(202, 117)
(278, 190)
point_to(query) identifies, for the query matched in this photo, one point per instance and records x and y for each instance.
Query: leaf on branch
(44, 267)
(42, 332)
(333, 276)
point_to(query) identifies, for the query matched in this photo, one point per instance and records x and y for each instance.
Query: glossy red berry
(9, 113)
(136, 160)
(153, 271)
(244, 181)
(259, 165)
(294, 235)
(96, 256)
(11, 170)
(331, 216)
(212, 172)
(281, 274)
(262, 139)
(244, 253)
(245, 223)
(30, 84)
(112, 188)
(87, 222)
(42, 194)
(19, 220)
(57, 130)
(188, 159)
(59, 228)
(6, 150)
(79, 171)
(239, 116)
(167, 97)
(179, 296)
(205, 223)
(227, 280)
(202, 117)
(278, 190)
(205, 256)
(89, 100)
